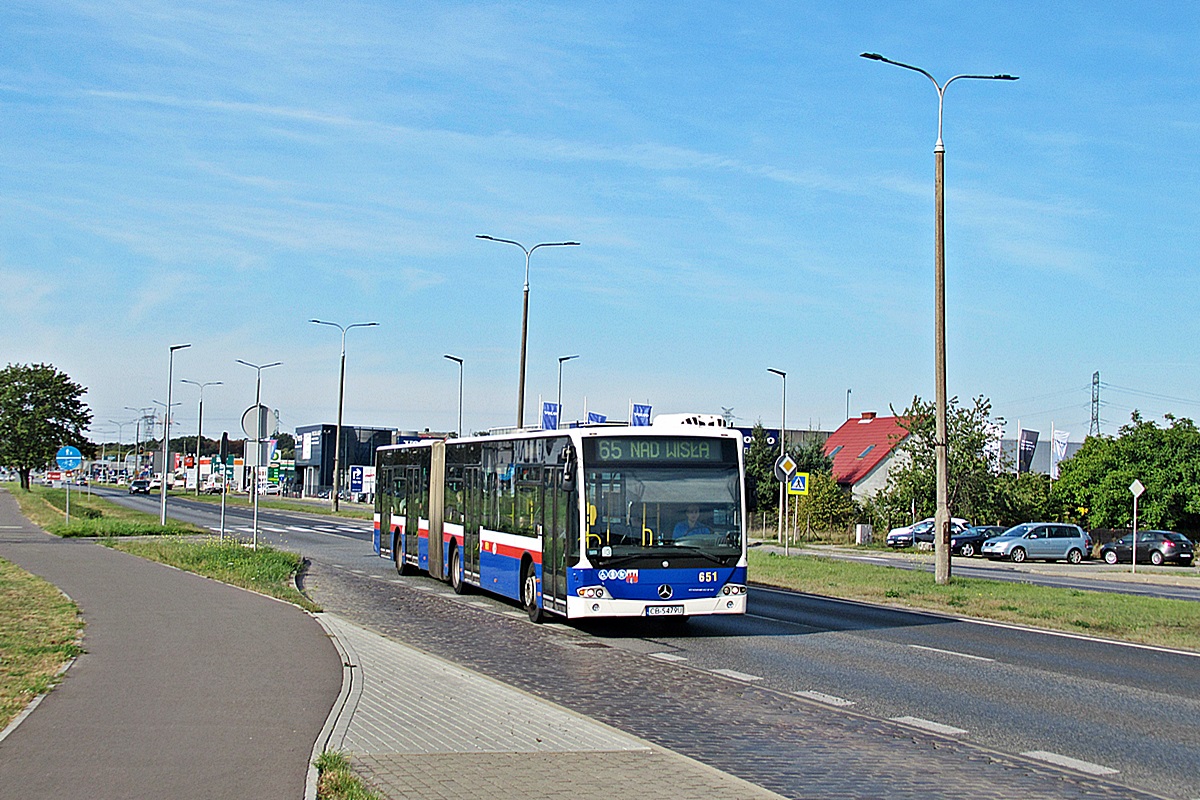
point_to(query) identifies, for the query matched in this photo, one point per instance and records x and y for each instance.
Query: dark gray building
(315, 454)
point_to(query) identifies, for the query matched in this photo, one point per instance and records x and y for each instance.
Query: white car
(922, 531)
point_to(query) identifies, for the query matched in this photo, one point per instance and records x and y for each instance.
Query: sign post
(784, 468)
(69, 459)
(1136, 488)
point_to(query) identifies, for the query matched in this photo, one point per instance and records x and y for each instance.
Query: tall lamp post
(162, 516)
(525, 313)
(258, 434)
(942, 518)
(200, 423)
(337, 437)
(137, 432)
(458, 361)
(782, 448)
(120, 434)
(561, 359)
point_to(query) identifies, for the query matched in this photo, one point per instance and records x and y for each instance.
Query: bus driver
(691, 526)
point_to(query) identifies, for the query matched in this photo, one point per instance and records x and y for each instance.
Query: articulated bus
(645, 521)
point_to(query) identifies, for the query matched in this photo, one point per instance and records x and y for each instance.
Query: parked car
(921, 531)
(139, 486)
(1045, 541)
(272, 489)
(1153, 547)
(969, 541)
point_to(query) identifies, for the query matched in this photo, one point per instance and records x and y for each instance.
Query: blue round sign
(69, 458)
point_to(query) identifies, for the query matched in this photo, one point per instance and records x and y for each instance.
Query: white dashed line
(668, 657)
(935, 727)
(951, 653)
(1071, 763)
(479, 604)
(737, 676)
(827, 699)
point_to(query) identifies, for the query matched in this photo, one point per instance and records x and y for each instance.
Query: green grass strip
(265, 570)
(1132, 618)
(39, 629)
(337, 781)
(91, 515)
(322, 507)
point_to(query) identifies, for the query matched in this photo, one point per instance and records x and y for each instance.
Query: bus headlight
(733, 588)
(592, 592)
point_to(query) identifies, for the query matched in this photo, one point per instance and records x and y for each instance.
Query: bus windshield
(652, 511)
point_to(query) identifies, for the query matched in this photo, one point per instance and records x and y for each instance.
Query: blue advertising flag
(549, 416)
(593, 418)
(640, 416)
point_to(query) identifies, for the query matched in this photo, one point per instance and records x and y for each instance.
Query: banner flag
(594, 418)
(1058, 450)
(640, 417)
(549, 416)
(1026, 445)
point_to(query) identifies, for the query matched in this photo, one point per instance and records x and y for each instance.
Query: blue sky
(749, 193)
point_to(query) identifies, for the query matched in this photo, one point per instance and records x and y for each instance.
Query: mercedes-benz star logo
(665, 592)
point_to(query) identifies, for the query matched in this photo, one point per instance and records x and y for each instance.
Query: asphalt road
(1110, 706)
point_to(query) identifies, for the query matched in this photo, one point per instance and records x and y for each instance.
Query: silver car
(1046, 541)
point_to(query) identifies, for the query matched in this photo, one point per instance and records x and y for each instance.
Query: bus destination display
(653, 450)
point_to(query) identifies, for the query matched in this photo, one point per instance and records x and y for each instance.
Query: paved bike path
(187, 688)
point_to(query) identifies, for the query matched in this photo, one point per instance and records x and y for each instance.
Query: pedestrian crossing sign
(798, 483)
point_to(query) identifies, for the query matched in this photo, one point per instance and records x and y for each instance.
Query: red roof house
(862, 451)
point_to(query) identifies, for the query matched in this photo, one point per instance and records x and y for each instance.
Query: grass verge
(337, 782)
(1132, 618)
(39, 629)
(91, 515)
(265, 570)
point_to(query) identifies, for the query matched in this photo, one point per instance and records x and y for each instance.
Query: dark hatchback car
(969, 541)
(139, 487)
(1153, 547)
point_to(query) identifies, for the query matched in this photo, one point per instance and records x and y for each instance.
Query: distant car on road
(1045, 541)
(272, 489)
(1153, 547)
(139, 487)
(968, 542)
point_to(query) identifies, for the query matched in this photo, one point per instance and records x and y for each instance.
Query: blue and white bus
(597, 522)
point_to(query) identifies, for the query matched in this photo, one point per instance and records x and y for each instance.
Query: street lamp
(942, 518)
(782, 449)
(337, 437)
(200, 423)
(138, 434)
(258, 434)
(120, 434)
(525, 313)
(162, 491)
(458, 361)
(558, 419)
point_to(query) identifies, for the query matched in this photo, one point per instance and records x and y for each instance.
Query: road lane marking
(737, 676)
(1078, 636)
(929, 725)
(1071, 763)
(827, 699)
(668, 657)
(951, 653)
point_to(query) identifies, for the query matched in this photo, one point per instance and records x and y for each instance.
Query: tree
(40, 411)
(760, 466)
(971, 435)
(1095, 481)
(827, 506)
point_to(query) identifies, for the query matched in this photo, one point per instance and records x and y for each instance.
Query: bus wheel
(401, 567)
(456, 573)
(529, 595)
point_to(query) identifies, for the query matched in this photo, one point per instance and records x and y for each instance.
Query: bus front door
(554, 541)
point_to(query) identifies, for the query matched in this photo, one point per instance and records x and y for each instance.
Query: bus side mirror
(751, 494)
(569, 470)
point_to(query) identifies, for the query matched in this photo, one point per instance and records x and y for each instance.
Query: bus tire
(529, 594)
(401, 567)
(456, 571)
